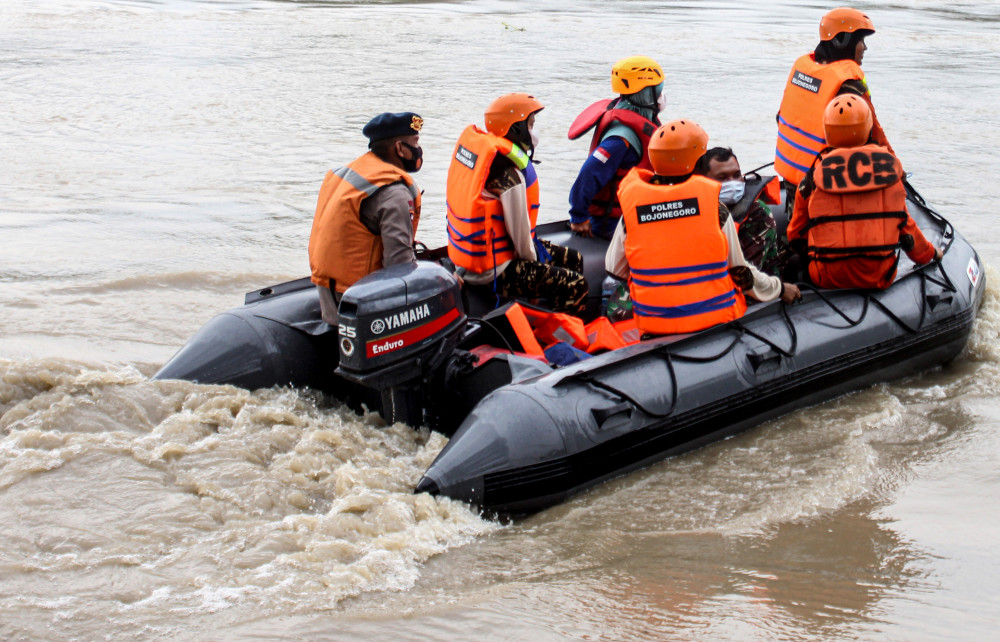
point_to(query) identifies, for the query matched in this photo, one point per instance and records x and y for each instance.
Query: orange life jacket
(341, 248)
(857, 206)
(601, 336)
(552, 327)
(810, 88)
(677, 255)
(477, 236)
(536, 329)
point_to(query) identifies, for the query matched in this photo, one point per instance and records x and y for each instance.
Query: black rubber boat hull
(524, 446)
(532, 444)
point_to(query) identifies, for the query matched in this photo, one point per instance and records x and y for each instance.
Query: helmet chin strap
(521, 136)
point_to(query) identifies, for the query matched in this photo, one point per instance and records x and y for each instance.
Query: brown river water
(159, 158)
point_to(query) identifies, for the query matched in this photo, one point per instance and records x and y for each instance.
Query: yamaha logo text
(406, 317)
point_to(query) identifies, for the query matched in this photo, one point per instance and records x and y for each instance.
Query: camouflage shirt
(758, 235)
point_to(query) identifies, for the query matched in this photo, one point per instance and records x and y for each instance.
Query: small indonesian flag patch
(601, 155)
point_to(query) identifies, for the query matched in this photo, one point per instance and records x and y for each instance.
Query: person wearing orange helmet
(850, 218)
(676, 243)
(367, 211)
(833, 69)
(622, 128)
(493, 201)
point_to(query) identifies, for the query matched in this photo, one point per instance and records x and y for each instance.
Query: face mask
(533, 138)
(413, 164)
(731, 192)
(661, 102)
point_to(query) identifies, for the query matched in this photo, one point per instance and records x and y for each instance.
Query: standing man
(850, 214)
(833, 69)
(492, 199)
(622, 128)
(677, 245)
(368, 210)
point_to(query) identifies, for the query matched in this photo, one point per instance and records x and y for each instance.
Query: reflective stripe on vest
(809, 89)
(341, 248)
(477, 235)
(857, 206)
(677, 255)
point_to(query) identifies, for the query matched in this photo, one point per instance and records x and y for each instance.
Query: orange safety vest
(677, 255)
(810, 88)
(341, 249)
(857, 208)
(477, 236)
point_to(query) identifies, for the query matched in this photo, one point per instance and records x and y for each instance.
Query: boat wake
(140, 497)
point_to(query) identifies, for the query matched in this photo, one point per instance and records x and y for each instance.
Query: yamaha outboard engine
(397, 327)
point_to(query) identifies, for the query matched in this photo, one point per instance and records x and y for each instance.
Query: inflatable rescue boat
(527, 434)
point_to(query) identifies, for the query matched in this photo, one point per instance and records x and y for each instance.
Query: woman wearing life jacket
(677, 245)
(622, 128)
(833, 69)
(368, 211)
(850, 214)
(492, 201)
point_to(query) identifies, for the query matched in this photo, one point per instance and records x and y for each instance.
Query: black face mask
(413, 164)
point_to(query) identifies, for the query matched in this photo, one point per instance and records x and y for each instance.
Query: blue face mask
(731, 192)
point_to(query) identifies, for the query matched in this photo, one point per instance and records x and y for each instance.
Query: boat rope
(869, 300)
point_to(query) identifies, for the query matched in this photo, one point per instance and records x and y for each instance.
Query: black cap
(392, 125)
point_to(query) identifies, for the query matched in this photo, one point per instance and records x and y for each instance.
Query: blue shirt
(597, 171)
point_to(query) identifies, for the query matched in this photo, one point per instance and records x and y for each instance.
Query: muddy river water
(159, 158)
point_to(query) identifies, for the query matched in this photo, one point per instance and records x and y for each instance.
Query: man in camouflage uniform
(756, 228)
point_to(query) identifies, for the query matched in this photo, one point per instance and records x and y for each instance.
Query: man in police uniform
(368, 211)
(850, 217)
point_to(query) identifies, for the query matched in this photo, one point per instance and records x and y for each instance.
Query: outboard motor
(397, 327)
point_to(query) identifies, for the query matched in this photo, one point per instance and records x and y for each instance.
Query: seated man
(492, 198)
(754, 222)
(677, 244)
(367, 211)
(850, 215)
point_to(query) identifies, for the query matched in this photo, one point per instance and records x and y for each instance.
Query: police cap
(390, 125)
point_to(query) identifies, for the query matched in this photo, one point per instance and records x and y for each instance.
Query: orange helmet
(847, 121)
(676, 147)
(635, 73)
(843, 20)
(509, 109)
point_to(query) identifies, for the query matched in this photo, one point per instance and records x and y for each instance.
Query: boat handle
(934, 299)
(769, 358)
(601, 415)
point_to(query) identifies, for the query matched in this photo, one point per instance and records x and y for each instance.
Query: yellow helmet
(847, 121)
(843, 20)
(635, 73)
(508, 110)
(676, 147)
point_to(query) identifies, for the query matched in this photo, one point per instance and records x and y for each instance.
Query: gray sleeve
(388, 213)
